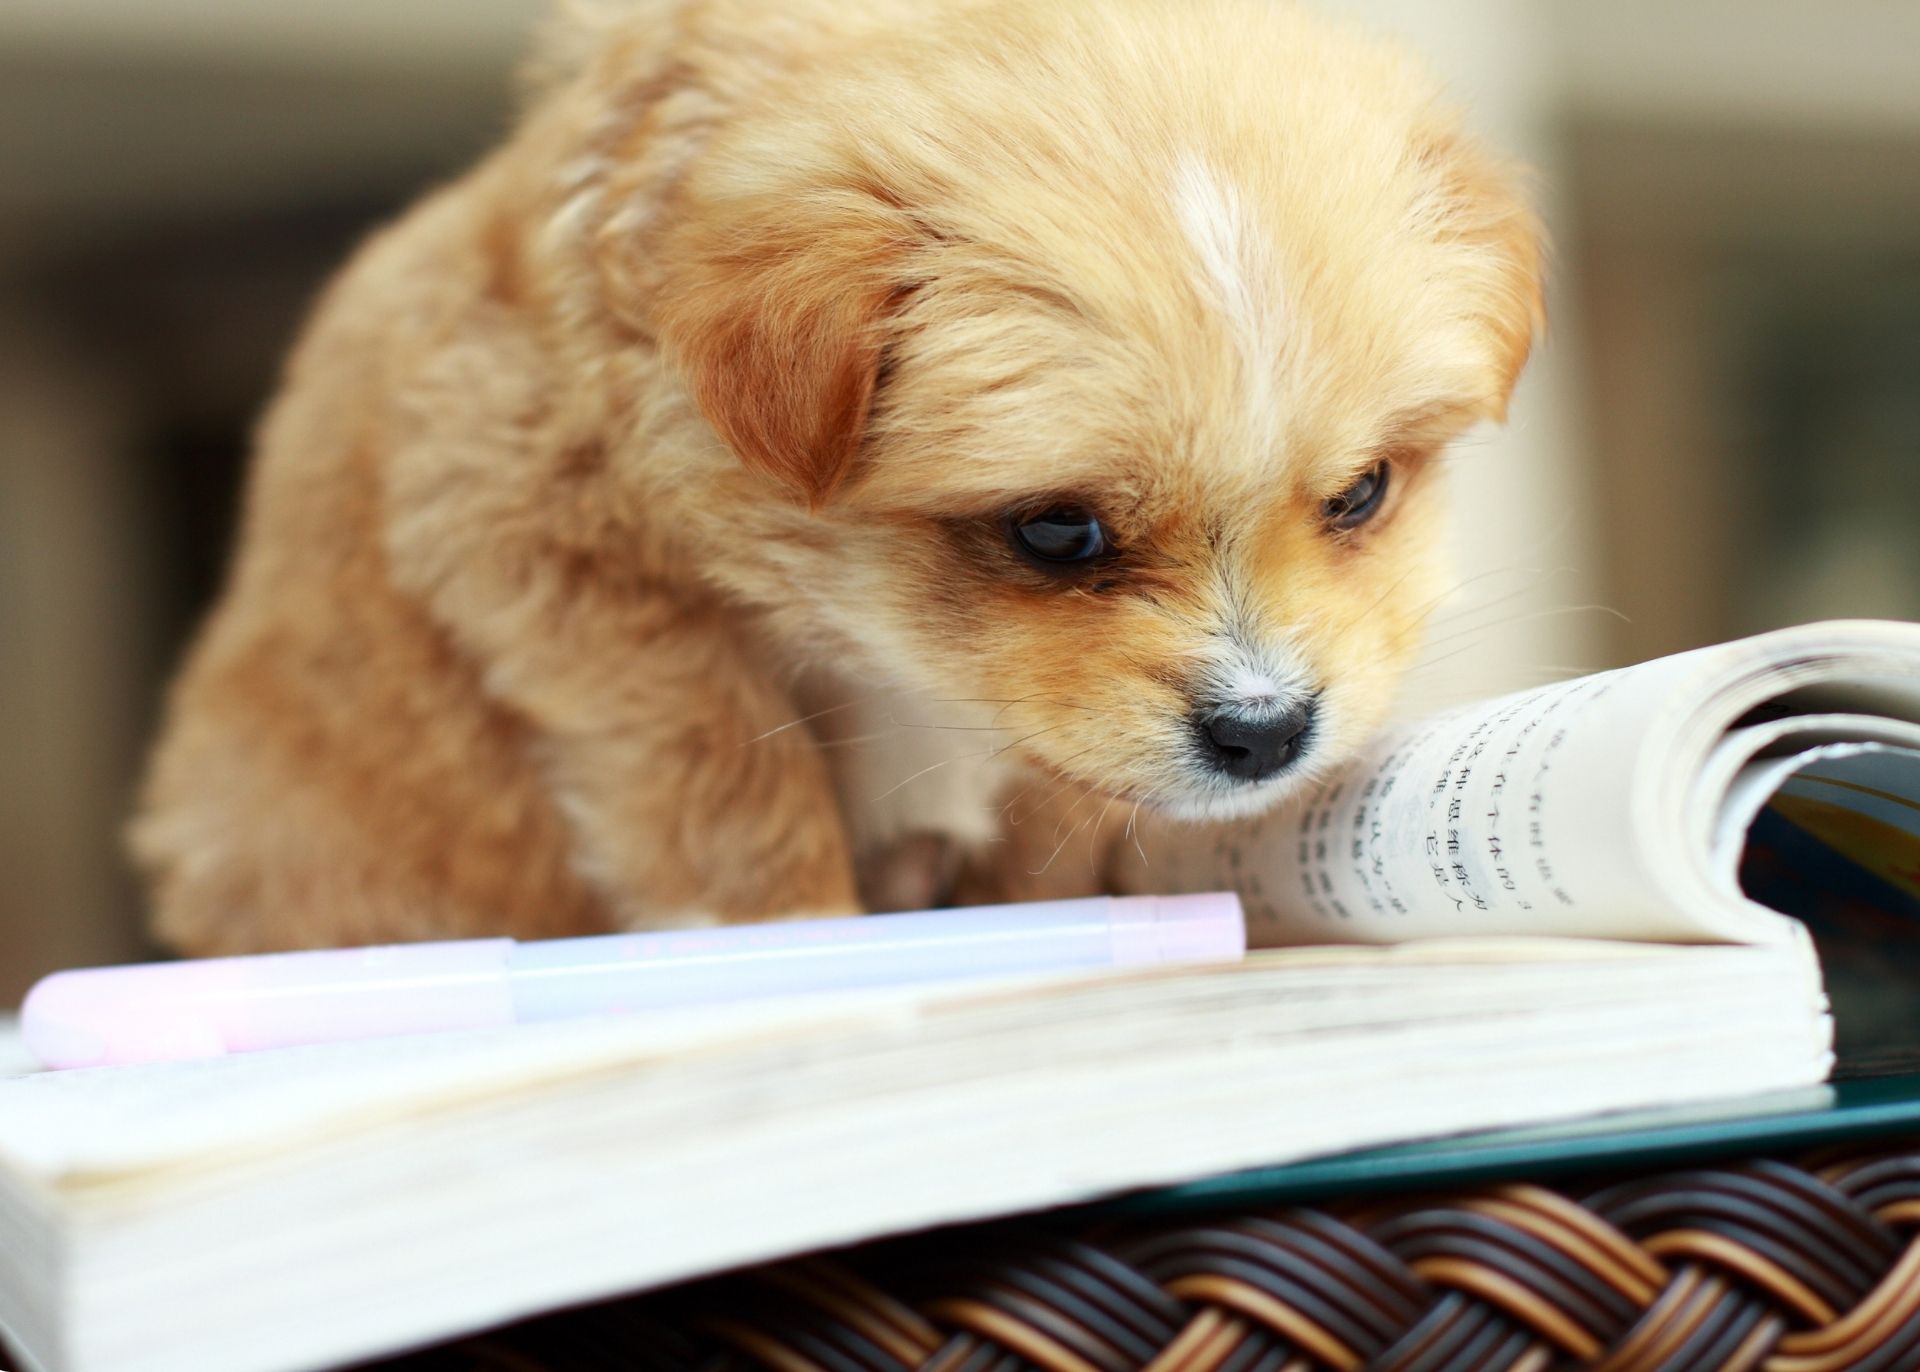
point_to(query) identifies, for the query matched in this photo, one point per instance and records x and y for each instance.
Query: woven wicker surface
(1809, 1266)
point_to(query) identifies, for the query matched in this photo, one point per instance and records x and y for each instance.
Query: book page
(1582, 809)
(1524, 815)
(1747, 766)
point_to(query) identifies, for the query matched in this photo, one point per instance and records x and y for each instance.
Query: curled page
(1587, 808)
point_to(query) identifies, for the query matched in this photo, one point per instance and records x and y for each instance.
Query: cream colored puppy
(1056, 383)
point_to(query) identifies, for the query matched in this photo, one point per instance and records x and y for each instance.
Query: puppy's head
(1095, 360)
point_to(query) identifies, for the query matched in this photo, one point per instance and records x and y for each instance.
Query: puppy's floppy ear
(1481, 208)
(777, 315)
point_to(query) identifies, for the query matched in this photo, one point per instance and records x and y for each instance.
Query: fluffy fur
(628, 542)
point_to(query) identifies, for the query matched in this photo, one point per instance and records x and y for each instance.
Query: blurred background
(1721, 436)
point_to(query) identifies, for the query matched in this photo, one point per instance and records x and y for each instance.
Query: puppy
(825, 433)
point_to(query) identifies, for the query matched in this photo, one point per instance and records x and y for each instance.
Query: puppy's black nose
(1252, 745)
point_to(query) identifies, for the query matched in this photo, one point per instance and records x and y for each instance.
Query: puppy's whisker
(1026, 738)
(949, 728)
(1065, 782)
(1133, 828)
(1085, 796)
(1015, 821)
(1469, 620)
(1030, 700)
(895, 722)
(930, 767)
(1018, 700)
(1477, 638)
(1529, 618)
(1534, 577)
(1061, 845)
(1436, 612)
(1448, 656)
(989, 754)
(857, 739)
(808, 719)
(1424, 613)
(1382, 598)
(1439, 603)
(1017, 797)
(1093, 836)
(1061, 824)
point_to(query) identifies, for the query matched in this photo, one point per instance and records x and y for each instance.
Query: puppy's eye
(1359, 502)
(1062, 536)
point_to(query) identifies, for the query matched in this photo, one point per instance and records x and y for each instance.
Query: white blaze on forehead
(1237, 274)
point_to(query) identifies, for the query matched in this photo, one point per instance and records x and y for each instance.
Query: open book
(1561, 876)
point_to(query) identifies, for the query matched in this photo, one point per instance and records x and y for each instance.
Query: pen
(174, 1010)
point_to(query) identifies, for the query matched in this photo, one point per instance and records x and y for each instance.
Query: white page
(1742, 770)
(1758, 783)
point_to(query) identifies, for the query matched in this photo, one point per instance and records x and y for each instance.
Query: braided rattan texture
(1812, 1266)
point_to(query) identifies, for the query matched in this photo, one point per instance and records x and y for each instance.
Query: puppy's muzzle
(1253, 742)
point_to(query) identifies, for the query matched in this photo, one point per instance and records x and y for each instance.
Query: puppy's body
(634, 503)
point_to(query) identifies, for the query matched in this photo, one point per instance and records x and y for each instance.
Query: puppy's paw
(914, 872)
(648, 919)
(1058, 847)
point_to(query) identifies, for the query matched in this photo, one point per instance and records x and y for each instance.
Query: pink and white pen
(172, 1010)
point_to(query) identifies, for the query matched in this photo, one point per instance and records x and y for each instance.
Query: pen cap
(1175, 929)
